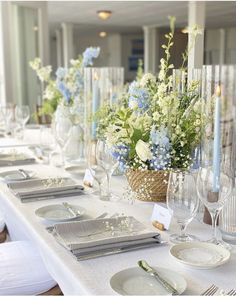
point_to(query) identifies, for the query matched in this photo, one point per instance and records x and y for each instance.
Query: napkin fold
(93, 238)
(37, 189)
(15, 159)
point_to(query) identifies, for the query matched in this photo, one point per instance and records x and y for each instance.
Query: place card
(161, 215)
(88, 178)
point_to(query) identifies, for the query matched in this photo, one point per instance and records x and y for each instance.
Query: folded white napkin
(101, 236)
(45, 188)
(15, 159)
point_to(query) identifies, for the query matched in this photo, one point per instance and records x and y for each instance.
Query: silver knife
(70, 209)
(144, 265)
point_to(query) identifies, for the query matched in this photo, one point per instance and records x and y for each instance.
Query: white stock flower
(143, 150)
(148, 77)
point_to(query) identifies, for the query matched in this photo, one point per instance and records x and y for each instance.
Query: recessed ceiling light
(103, 34)
(35, 28)
(104, 14)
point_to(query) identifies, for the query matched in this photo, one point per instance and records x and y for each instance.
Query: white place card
(88, 178)
(161, 215)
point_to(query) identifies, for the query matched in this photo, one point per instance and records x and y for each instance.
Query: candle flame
(218, 91)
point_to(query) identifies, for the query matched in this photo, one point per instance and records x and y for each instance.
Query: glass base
(177, 239)
(220, 242)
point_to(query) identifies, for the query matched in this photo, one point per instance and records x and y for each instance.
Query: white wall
(212, 46)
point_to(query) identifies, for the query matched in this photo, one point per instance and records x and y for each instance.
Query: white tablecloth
(93, 276)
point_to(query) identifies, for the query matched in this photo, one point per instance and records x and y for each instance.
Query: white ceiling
(130, 16)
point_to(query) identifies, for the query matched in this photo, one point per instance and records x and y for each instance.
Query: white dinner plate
(15, 175)
(77, 171)
(58, 213)
(200, 255)
(135, 281)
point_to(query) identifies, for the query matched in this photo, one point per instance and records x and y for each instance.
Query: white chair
(22, 271)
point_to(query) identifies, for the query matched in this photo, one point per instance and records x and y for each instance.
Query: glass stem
(214, 217)
(108, 182)
(183, 227)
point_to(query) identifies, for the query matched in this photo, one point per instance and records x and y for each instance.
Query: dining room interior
(117, 147)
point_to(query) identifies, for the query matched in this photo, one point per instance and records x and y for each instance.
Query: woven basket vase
(149, 185)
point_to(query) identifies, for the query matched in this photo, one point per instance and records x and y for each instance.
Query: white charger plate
(200, 255)
(135, 281)
(58, 213)
(15, 175)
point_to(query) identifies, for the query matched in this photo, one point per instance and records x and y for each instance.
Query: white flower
(148, 77)
(143, 150)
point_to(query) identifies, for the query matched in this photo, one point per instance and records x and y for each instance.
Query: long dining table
(92, 276)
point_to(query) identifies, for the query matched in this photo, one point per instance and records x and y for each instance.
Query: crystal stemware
(8, 116)
(22, 115)
(62, 132)
(182, 202)
(96, 170)
(214, 193)
(106, 160)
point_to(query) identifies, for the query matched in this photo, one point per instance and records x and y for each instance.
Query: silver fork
(210, 291)
(231, 292)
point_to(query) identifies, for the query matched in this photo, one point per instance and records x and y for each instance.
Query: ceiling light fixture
(104, 14)
(103, 34)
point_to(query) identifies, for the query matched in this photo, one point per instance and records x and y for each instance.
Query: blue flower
(138, 97)
(120, 153)
(161, 158)
(160, 148)
(89, 54)
(61, 73)
(65, 92)
(160, 137)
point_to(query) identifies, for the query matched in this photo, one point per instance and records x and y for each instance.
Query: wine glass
(214, 193)
(182, 202)
(22, 115)
(96, 170)
(62, 132)
(106, 160)
(47, 141)
(8, 115)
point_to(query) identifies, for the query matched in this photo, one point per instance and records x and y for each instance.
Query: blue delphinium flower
(65, 92)
(138, 97)
(160, 149)
(89, 54)
(61, 73)
(121, 153)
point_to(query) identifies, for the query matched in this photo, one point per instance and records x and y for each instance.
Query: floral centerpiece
(154, 127)
(66, 88)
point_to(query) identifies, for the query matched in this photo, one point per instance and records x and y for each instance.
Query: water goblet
(106, 160)
(214, 193)
(22, 115)
(62, 132)
(182, 202)
(97, 171)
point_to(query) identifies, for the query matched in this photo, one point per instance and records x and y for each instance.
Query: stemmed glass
(96, 170)
(62, 131)
(214, 194)
(106, 160)
(182, 202)
(22, 115)
(8, 115)
(47, 141)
